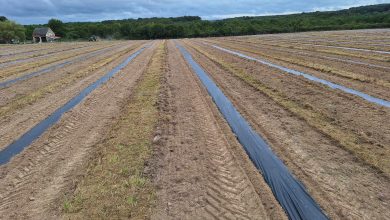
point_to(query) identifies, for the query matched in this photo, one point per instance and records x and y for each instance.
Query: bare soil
(26, 110)
(370, 80)
(20, 69)
(34, 180)
(343, 185)
(24, 88)
(360, 130)
(199, 174)
(151, 144)
(115, 185)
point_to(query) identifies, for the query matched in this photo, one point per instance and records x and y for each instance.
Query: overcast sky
(40, 11)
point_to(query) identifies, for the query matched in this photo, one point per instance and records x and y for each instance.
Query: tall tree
(10, 31)
(57, 26)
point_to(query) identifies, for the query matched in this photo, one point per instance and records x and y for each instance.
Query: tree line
(374, 16)
(10, 32)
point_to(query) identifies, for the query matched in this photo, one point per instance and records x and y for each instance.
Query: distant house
(43, 34)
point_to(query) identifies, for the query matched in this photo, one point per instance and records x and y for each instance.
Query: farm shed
(43, 34)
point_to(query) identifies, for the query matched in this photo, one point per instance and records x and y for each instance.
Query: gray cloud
(39, 11)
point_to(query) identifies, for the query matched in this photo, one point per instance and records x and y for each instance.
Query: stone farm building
(43, 34)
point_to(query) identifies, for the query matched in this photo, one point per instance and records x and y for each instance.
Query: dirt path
(200, 170)
(344, 187)
(32, 182)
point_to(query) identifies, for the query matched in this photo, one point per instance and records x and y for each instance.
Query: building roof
(42, 31)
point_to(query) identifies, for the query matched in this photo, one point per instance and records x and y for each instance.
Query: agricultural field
(170, 129)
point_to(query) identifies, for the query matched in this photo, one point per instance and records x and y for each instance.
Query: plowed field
(142, 138)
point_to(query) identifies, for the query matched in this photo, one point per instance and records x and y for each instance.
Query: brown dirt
(37, 50)
(32, 182)
(37, 54)
(23, 49)
(11, 72)
(368, 80)
(365, 39)
(360, 130)
(345, 187)
(14, 93)
(336, 144)
(199, 172)
(319, 59)
(114, 185)
(288, 41)
(19, 120)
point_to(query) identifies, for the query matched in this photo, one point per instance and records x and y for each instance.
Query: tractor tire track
(357, 126)
(339, 182)
(198, 174)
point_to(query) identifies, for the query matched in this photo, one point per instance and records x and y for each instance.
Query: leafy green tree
(375, 16)
(57, 26)
(72, 35)
(11, 31)
(3, 18)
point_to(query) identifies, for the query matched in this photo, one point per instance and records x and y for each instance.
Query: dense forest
(374, 16)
